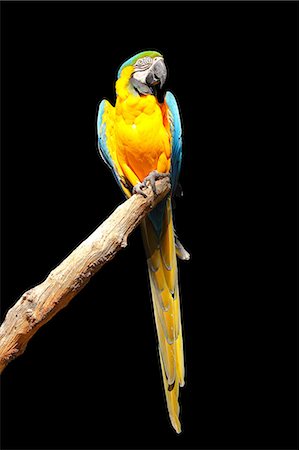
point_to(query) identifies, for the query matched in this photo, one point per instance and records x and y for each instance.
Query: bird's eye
(143, 63)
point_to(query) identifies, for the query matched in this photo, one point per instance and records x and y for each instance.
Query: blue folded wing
(102, 142)
(156, 216)
(176, 133)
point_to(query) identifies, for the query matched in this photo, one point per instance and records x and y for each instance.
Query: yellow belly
(142, 142)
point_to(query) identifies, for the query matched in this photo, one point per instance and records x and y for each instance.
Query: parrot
(140, 139)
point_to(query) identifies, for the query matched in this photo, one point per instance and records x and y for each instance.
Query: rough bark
(41, 303)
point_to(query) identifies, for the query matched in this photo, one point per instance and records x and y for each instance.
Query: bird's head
(148, 73)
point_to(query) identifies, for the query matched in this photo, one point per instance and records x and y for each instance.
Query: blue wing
(176, 133)
(102, 142)
(157, 214)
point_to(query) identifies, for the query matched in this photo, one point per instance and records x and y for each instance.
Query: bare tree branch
(41, 303)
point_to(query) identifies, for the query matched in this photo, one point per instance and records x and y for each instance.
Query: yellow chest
(140, 133)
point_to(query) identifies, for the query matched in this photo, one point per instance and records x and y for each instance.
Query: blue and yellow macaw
(140, 139)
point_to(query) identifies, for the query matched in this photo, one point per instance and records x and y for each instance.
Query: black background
(90, 377)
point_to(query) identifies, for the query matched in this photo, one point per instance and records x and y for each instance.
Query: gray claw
(149, 180)
(137, 189)
(153, 177)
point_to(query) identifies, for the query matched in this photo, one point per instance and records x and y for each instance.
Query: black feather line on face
(140, 87)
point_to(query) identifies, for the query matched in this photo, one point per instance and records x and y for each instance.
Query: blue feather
(176, 133)
(156, 216)
(102, 142)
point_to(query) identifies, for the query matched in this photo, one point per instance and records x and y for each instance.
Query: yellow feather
(172, 402)
(166, 305)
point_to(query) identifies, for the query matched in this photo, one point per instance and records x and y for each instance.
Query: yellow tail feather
(163, 275)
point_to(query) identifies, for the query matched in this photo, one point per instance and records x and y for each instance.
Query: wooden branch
(41, 303)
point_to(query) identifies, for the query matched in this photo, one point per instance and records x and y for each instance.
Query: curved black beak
(156, 79)
(157, 74)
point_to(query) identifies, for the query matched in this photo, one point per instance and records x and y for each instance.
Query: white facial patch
(141, 75)
(143, 66)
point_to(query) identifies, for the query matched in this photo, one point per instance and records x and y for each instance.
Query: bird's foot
(150, 180)
(153, 177)
(137, 189)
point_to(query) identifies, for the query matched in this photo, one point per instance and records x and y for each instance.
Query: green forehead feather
(131, 61)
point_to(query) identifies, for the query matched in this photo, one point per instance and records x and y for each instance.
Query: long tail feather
(163, 275)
